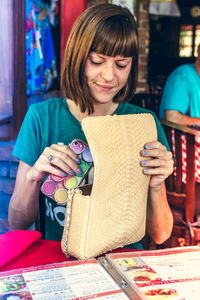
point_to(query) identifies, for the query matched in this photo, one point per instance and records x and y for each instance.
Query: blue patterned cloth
(40, 55)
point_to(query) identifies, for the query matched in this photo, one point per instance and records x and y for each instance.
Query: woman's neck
(100, 109)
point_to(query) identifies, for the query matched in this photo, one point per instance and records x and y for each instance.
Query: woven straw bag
(113, 214)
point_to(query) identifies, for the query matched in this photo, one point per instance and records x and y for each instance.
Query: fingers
(155, 149)
(157, 160)
(63, 158)
(64, 149)
(58, 160)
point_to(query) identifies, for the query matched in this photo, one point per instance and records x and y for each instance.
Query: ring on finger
(50, 158)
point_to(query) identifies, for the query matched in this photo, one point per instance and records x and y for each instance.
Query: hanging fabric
(164, 8)
(40, 56)
(54, 12)
(70, 10)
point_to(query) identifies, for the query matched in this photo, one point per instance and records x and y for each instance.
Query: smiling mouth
(104, 87)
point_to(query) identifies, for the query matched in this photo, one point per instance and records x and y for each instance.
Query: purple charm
(77, 146)
(87, 156)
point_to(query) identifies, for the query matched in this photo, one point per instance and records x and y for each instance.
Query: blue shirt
(50, 122)
(182, 92)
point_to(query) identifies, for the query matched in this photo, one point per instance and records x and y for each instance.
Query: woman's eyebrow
(97, 55)
(123, 59)
(101, 56)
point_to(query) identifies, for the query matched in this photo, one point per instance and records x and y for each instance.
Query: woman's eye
(96, 62)
(121, 66)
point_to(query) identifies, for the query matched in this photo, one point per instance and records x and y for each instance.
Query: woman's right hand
(58, 160)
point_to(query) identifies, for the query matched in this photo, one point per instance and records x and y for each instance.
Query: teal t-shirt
(51, 122)
(182, 92)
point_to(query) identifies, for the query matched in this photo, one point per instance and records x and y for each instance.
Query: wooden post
(19, 64)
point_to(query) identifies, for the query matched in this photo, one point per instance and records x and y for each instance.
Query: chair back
(181, 184)
(148, 100)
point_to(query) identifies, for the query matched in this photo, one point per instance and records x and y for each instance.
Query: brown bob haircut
(107, 29)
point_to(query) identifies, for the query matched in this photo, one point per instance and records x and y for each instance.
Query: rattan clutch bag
(111, 213)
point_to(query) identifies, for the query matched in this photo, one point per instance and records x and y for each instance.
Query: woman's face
(106, 75)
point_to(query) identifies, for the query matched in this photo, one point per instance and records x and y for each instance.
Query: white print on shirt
(54, 213)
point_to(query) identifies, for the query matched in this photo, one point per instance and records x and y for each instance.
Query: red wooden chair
(148, 100)
(181, 195)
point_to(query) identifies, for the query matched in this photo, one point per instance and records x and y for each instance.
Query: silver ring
(50, 158)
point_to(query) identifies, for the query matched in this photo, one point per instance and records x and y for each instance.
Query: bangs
(115, 37)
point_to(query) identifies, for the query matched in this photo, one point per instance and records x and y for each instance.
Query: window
(197, 39)
(189, 40)
(15, 83)
(6, 63)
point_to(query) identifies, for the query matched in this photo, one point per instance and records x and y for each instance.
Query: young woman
(99, 76)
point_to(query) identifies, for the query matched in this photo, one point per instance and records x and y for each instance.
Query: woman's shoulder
(182, 70)
(129, 108)
(49, 104)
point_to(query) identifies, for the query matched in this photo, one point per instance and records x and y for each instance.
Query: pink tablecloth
(22, 249)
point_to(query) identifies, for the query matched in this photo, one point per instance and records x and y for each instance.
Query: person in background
(180, 104)
(180, 101)
(99, 77)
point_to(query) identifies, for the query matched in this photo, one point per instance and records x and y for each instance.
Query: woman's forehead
(116, 57)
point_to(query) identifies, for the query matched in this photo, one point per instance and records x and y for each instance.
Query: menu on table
(68, 280)
(171, 274)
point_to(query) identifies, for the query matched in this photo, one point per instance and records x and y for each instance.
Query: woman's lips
(104, 87)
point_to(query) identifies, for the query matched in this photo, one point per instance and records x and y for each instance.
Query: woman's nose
(108, 72)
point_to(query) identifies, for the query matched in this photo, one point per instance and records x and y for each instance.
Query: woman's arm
(177, 117)
(159, 164)
(24, 203)
(159, 216)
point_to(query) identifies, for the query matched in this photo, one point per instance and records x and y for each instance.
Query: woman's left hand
(157, 161)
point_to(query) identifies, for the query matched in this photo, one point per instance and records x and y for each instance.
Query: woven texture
(114, 214)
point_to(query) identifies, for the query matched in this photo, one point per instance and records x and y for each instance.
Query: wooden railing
(181, 193)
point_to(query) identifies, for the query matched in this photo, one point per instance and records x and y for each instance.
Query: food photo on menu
(14, 287)
(172, 274)
(161, 293)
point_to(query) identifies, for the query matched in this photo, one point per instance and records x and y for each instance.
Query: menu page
(172, 274)
(68, 280)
